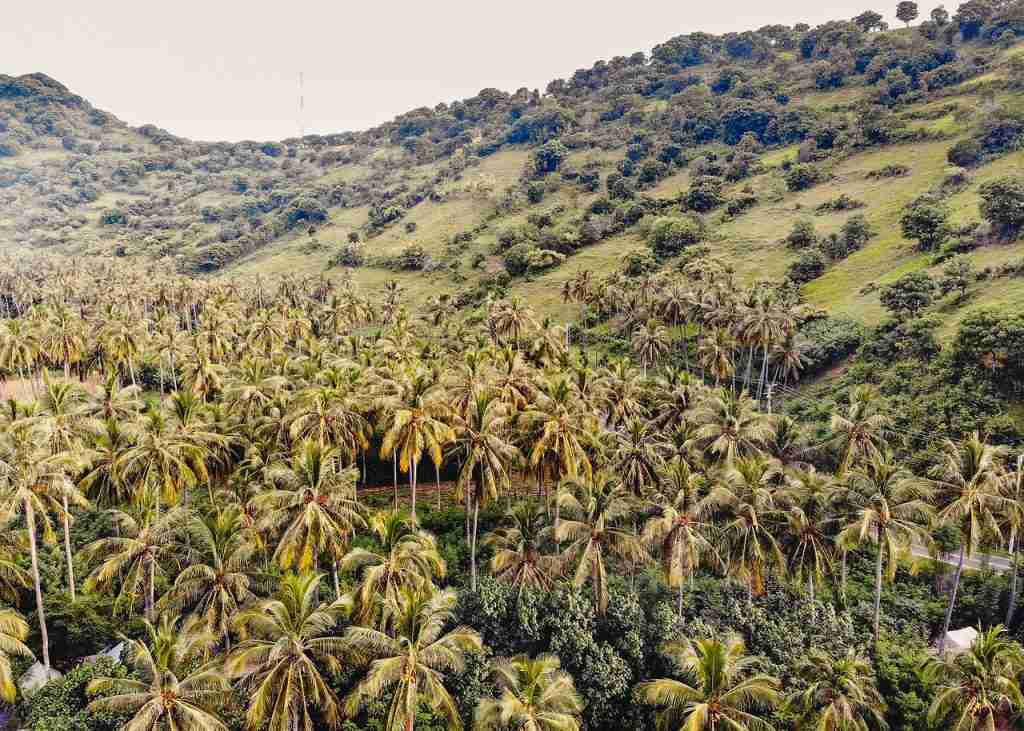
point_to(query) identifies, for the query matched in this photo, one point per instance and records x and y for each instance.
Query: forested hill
(792, 153)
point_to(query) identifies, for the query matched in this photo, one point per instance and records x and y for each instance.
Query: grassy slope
(750, 242)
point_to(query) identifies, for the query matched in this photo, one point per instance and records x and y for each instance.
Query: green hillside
(438, 197)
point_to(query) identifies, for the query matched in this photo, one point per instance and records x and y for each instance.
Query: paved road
(978, 561)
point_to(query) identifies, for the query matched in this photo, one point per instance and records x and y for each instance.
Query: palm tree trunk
(878, 590)
(952, 600)
(764, 373)
(679, 598)
(472, 543)
(334, 577)
(412, 487)
(67, 548)
(394, 474)
(1012, 605)
(437, 484)
(151, 589)
(30, 521)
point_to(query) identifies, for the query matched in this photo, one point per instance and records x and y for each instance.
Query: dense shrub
(669, 235)
(810, 265)
(802, 176)
(60, 704)
(829, 340)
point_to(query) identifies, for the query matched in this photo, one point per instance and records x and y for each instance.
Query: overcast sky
(228, 70)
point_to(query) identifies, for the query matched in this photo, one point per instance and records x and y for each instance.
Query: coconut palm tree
(13, 633)
(536, 695)
(289, 643)
(216, 583)
(560, 442)
(482, 448)
(311, 506)
(638, 456)
(969, 497)
(724, 689)
(176, 687)
(519, 557)
(679, 533)
(715, 354)
(28, 478)
(62, 413)
(840, 696)
(650, 342)
(162, 459)
(410, 656)
(729, 427)
(102, 481)
(413, 431)
(744, 503)
(131, 559)
(890, 508)
(596, 508)
(979, 690)
(807, 525)
(406, 557)
(859, 433)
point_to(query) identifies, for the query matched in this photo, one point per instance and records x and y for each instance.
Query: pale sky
(228, 70)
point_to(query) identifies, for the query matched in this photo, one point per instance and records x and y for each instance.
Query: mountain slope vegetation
(685, 395)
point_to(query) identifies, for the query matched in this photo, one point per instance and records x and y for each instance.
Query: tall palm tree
(840, 696)
(280, 664)
(536, 695)
(560, 442)
(13, 633)
(413, 431)
(968, 495)
(27, 480)
(519, 557)
(679, 533)
(807, 525)
(715, 354)
(177, 686)
(596, 507)
(216, 583)
(131, 559)
(979, 690)
(890, 508)
(638, 456)
(729, 426)
(650, 342)
(162, 459)
(62, 413)
(410, 655)
(724, 689)
(311, 506)
(745, 504)
(482, 447)
(406, 557)
(860, 432)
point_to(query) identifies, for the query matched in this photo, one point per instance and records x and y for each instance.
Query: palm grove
(191, 462)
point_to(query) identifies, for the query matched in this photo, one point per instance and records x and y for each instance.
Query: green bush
(60, 704)
(669, 235)
(802, 176)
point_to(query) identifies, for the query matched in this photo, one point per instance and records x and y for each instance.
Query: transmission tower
(302, 107)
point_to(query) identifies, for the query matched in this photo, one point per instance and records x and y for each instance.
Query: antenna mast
(302, 107)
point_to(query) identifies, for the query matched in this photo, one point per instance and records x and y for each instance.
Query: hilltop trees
(906, 11)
